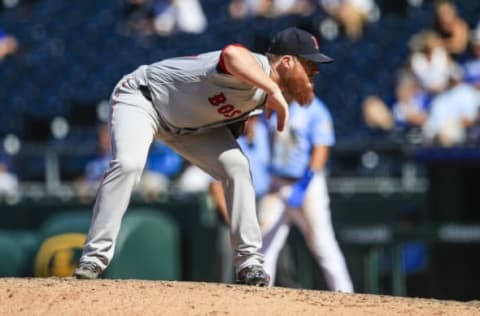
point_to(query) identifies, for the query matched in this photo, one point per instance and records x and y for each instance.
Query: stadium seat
(148, 247)
(16, 253)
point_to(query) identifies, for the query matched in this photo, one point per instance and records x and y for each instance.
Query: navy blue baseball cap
(297, 42)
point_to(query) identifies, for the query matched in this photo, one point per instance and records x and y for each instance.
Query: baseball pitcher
(190, 102)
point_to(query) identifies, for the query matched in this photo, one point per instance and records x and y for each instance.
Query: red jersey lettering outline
(217, 99)
(227, 110)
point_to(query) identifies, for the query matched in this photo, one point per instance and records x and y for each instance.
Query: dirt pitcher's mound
(54, 296)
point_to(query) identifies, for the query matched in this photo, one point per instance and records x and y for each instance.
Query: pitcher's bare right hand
(276, 102)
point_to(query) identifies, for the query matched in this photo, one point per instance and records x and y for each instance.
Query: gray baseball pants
(133, 125)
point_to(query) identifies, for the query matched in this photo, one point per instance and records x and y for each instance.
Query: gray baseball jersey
(187, 104)
(192, 93)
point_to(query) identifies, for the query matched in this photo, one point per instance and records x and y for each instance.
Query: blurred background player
(299, 193)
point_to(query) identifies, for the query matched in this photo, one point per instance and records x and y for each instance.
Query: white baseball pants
(313, 220)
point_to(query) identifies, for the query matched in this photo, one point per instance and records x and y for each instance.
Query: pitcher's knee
(130, 164)
(235, 165)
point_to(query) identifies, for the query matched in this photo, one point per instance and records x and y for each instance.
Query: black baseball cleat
(87, 270)
(253, 275)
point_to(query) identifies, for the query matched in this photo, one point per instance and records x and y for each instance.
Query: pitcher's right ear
(288, 61)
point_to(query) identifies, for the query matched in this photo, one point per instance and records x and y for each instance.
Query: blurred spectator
(410, 108)
(408, 111)
(8, 45)
(138, 17)
(270, 8)
(178, 15)
(429, 61)
(8, 180)
(452, 29)
(240, 9)
(351, 14)
(472, 66)
(289, 7)
(452, 112)
(376, 115)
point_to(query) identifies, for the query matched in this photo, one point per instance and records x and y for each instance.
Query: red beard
(300, 87)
